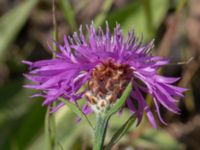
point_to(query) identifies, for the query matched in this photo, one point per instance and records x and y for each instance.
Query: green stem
(50, 130)
(50, 125)
(100, 131)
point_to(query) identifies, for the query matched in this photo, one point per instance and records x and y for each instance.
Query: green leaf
(100, 18)
(121, 132)
(133, 16)
(12, 22)
(159, 10)
(68, 13)
(148, 14)
(121, 101)
(77, 111)
(66, 132)
(33, 118)
(17, 114)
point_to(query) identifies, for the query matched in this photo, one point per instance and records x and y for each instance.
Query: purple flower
(105, 64)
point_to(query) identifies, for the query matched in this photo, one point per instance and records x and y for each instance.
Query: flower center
(107, 82)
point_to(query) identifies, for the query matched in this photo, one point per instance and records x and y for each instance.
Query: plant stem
(50, 125)
(100, 131)
(50, 130)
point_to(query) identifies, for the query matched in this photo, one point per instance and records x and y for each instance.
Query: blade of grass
(148, 15)
(103, 14)
(68, 13)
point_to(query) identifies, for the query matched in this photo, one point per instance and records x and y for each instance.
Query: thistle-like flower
(105, 64)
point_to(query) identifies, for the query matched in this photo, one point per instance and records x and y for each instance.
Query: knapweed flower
(105, 64)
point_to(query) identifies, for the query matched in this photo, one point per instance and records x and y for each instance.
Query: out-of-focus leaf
(158, 139)
(68, 13)
(159, 9)
(121, 101)
(133, 16)
(100, 18)
(13, 101)
(81, 5)
(12, 22)
(30, 125)
(148, 13)
(77, 111)
(68, 130)
(121, 132)
(20, 119)
(180, 6)
(13, 89)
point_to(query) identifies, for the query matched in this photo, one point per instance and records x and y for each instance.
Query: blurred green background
(25, 28)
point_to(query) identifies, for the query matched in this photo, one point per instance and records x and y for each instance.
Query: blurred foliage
(19, 118)
(134, 16)
(22, 119)
(158, 139)
(68, 13)
(11, 24)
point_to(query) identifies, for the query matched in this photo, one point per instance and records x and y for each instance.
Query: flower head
(105, 63)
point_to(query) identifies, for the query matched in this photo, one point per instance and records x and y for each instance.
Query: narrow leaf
(77, 111)
(120, 133)
(100, 18)
(68, 13)
(121, 101)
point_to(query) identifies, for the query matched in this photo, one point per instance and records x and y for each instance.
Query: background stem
(50, 125)
(50, 129)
